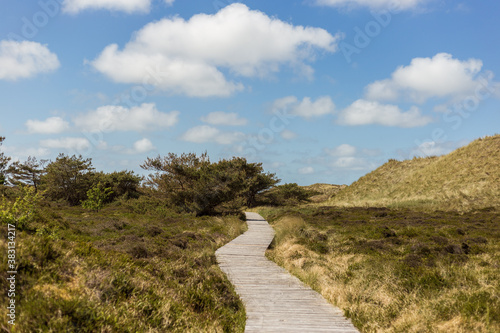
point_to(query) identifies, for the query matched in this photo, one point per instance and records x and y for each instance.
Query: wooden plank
(275, 301)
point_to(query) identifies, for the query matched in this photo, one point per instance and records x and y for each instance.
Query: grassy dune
(132, 267)
(465, 179)
(323, 191)
(396, 270)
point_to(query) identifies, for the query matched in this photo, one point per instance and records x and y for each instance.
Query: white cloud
(185, 57)
(143, 146)
(351, 162)
(288, 135)
(432, 148)
(349, 157)
(127, 6)
(21, 153)
(111, 118)
(77, 144)
(305, 108)
(52, 125)
(363, 112)
(306, 170)
(284, 103)
(169, 2)
(424, 78)
(36, 152)
(223, 118)
(342, 150)
(206, 134)
(396, 5)
(20, 60)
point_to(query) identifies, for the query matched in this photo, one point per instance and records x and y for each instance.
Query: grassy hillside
(325, 191)
(467, 178)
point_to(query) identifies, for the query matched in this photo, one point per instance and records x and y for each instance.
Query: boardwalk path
(275, 301)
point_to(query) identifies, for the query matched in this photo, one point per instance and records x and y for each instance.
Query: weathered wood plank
(275, 301)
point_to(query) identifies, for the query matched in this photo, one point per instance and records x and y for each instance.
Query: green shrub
(20, 212)
(287, 194)
(96, 197)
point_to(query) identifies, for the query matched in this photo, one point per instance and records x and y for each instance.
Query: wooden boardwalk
(275, 301)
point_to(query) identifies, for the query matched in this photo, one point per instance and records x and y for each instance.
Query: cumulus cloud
(396, 5)
(77, 144)
(143, 146)
(351, 163)
(20, 60)
(52, 125)
(223, 118)
(112, 118)
(186, 57)
(127, 6)
(432, 148)
(424, 78)
(306, 170)
(305, 108)
(21, 153)
(342, 150)
(209, 134)
(363, 112)
(349, 157)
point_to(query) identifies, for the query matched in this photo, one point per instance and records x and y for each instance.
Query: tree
(255, 180)
(4, 163)
(27, 173)
(196, 185)
(68, 178)
(175, 176)
(123, 184)
(96, 197)
(216, 184)
(289, 193)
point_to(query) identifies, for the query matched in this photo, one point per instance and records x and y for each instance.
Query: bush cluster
(195, 184)
(185, 182)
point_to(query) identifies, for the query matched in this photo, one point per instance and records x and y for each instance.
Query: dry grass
(397, 271)
(324, 191)
(465, 179)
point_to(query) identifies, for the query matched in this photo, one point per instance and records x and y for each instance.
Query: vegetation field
(396, 270)
(134, 266)
(413, 246)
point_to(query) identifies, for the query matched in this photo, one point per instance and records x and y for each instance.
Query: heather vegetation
(414, 246)
(396, 270)
(118, 252)
(135, 266)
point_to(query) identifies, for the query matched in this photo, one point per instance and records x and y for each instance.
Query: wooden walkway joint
(275, 301)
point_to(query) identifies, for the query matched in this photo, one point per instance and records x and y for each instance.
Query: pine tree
(27, 173)
(68, 178)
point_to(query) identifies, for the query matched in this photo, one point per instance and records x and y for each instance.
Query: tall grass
(396, 270)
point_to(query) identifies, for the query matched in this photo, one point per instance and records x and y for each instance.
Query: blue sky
(316, 90)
